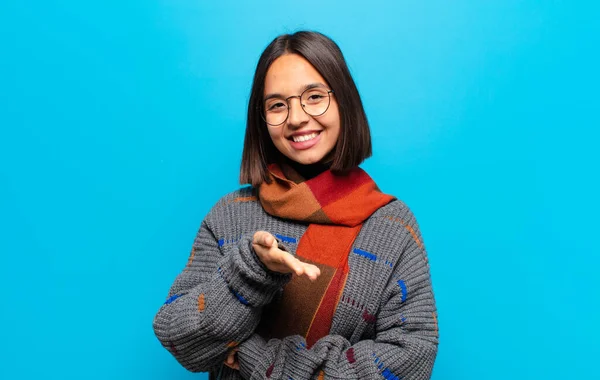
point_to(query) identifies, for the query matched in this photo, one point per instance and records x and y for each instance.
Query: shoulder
(242, 195)
(396, 221)
(235, 199)
(234, 206)
(396, 209)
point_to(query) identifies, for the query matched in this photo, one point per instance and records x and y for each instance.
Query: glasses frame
(287, 101)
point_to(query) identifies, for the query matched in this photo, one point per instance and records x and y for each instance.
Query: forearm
(332, 356)
(198, 325)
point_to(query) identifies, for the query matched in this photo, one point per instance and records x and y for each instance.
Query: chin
(307, 160)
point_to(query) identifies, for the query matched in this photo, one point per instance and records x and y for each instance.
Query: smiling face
(302, 138)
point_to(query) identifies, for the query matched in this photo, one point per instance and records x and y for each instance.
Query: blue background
(121, 124)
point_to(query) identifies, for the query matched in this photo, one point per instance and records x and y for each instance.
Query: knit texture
(384, 325)
(336, 206)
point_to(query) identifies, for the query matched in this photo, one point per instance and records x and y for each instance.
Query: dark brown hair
(354, 143)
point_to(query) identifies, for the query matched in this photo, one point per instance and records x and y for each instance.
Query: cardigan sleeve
(404, 347)
(215, 302)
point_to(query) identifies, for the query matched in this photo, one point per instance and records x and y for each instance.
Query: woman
(312, 272)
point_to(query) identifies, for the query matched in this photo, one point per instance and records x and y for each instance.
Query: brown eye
(276, 107)
(314, 96)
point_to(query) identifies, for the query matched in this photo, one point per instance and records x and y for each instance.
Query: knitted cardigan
(384, 326)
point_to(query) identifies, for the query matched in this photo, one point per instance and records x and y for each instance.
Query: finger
(264, 249)
(261, 249)
(293, 264)
(230, 358)
(282, 262)
(267, 240)
(257, 237)
(232, 361)
(311, 271)
(270, 240)
(264, 238)
(232, 366)
(272, 258)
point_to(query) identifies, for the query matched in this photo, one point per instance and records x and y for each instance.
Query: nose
(297, 116)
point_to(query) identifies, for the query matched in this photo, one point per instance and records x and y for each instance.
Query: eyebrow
(307, 87)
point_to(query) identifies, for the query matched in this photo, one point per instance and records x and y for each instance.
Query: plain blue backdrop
(122, 122)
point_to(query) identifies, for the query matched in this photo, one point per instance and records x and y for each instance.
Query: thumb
(269, 240)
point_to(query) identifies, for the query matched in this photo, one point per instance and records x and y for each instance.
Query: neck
(311, 170)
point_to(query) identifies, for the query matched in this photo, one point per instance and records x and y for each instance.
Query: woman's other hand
(277, 260)
(232, 361)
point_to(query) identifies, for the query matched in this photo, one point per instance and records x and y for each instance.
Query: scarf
(335, 207)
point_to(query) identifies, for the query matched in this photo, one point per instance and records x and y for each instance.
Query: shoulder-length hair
(354, 143)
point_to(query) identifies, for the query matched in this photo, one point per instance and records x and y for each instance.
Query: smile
(305, 141)
(305, 137)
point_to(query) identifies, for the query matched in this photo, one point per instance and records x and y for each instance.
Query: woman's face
(302, 138)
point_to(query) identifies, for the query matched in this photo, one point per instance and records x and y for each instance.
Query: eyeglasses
(315, 102)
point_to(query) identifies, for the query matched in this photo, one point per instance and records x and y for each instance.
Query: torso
(371, 259)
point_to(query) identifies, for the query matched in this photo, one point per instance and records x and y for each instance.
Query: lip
(303, 145)
(302, 133)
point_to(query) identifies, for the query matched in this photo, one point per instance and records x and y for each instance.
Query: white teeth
(305, 137)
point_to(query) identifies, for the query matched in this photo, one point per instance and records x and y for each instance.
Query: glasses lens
(315, 101)
(276, 111)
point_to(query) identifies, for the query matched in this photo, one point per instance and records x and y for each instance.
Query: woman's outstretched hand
(265, 246)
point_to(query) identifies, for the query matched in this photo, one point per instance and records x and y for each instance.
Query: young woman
(312, 272)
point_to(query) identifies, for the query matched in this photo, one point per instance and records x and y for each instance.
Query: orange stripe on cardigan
(190, 259)
(408, 228)
(242, 199)
(201, 302)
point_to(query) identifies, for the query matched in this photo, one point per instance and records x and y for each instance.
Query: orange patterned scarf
(335, 208)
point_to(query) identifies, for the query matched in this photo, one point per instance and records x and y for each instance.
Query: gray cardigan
(384, 325)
